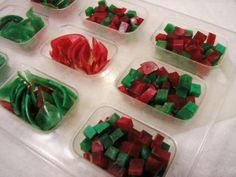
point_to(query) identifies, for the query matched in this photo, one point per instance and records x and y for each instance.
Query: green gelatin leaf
(35, 20)
(48, 117)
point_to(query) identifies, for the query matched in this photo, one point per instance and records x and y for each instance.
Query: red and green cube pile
(114, 17)
(123, 151)
(198, 47)
(169, 93)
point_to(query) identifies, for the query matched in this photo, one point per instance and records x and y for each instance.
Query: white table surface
(218, 157)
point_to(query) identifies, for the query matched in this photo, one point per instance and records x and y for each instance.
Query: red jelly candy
(123, 89)
(178, 102)
(161, 37)
(162, 72)
(145, 138)
(190, 99)
(153, 165)
(174, 78)
(116, 170)
(148, 95)
(157, 141)
(200, 37)
(97, 146)
(124, 123)
(99, 159)
(148, 67)
(130, 148)
(211, 38)
(86, 156)
(179, 31)
(138, 87)
(136, 167)
(134, 135)
(161, 154)
(6, 105)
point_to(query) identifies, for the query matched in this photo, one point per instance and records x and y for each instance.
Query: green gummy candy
(85, 145)
(102, 3)
(220, 48)
(89, 11)
(127, 81)
(161, 97)
(170, 28)
(106, 141)
(101, 127)
(112, 120)
(161, 44)
(112, 153)
(122, 159)
(89, 132)
(195, 90)
(187, 111)
(131, 13)
(116, 135)
(167, 107)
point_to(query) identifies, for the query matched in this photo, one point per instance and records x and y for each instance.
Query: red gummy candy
(6, 105)
(153, 165)
(161, 36)
(138, 87)
(148, 67)
(123, 89)
(157, 141)
(190, 99)
(116, 170)
(178, 102)
(86, 156)
(136, 167)
(174, 78)
(97, 146)
(211, 38)
(162, 72)
(161, 154)
(148, 95)
(179, 31)
(124, 123)
(130, 148)
(99, 159)
(200, 37)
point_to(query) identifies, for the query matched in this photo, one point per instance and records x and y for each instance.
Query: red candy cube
(162, 72)
(138, 87)
(148, 67)
(211, 38)
(116, 170)
(174, 78)
(124, 123)
(136, 167)
(190, 99)
(130, 148)
(200, 37)
(97, 146)
(157, 141)
(148, 95)
(178, 102)
(99, 159)
(161, 154)
(161, 37)
(153, 165)
(86, 156)
(123, 89)
(145, 138)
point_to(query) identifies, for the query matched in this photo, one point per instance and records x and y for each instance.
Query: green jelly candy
(85, 145)
(102, 3)
(47, 117)
(135, 73)
(195, 90)
(102, 127)
(35, 20)
(161, 79)
(188, 32)
(122, 159)
(112, 7)
(181, 92)
(107, 21)
(161, 44)
(131, 13)
(151, 78)
(161, 97)
(165, 146)
(4, 21)
(206, 47)
(134, 27)
(106, 141)
(145, 152)
(112, 153)
(220, 48)
(185, 81)
(116, 135)
(89, 132)
(112, 120)
(170, 28)
(89, 11)
(167, 107)
(187, 111)
(127, 81)
(209, 51)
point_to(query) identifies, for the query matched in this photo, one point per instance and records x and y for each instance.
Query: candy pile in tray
(198, 47)
(123, 151)
(74, 50)
(18, 29)
(169, 93)
(57, 4)
(41, 102)
(114, 17)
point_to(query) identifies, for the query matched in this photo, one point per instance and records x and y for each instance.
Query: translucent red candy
(124, 123)
(136, 167)
(148, 67)
(73, 50)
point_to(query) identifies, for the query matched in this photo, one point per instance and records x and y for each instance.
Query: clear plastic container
(14, 10)
(38, 73)
(136, 64)
(5, 58)
(105, 111)
(114, 34)
(70, 29)
(182, 61)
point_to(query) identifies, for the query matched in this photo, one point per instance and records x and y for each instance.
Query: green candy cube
(89, 132)
(170, 28)
(161, 44)
(85, 145)
(161, 97)
(116, 135)
(112, 153)
(131, 13)
(187, 111)
(195, 90)
(122, 159)
(113, 119)
(101, 127)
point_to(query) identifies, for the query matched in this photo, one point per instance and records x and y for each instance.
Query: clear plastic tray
(181, 61)
(38, 73)
(97, 91)
(136, 64)
(106, 31)
(106, 111)
(70, 29)
(14, 10)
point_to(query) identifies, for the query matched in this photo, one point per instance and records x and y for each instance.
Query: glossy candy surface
(169, 93)
(123, 151)
(20, 30)
(198, 47)
(57, 4)
(38, 101)
(118, 18)
(74, 50)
